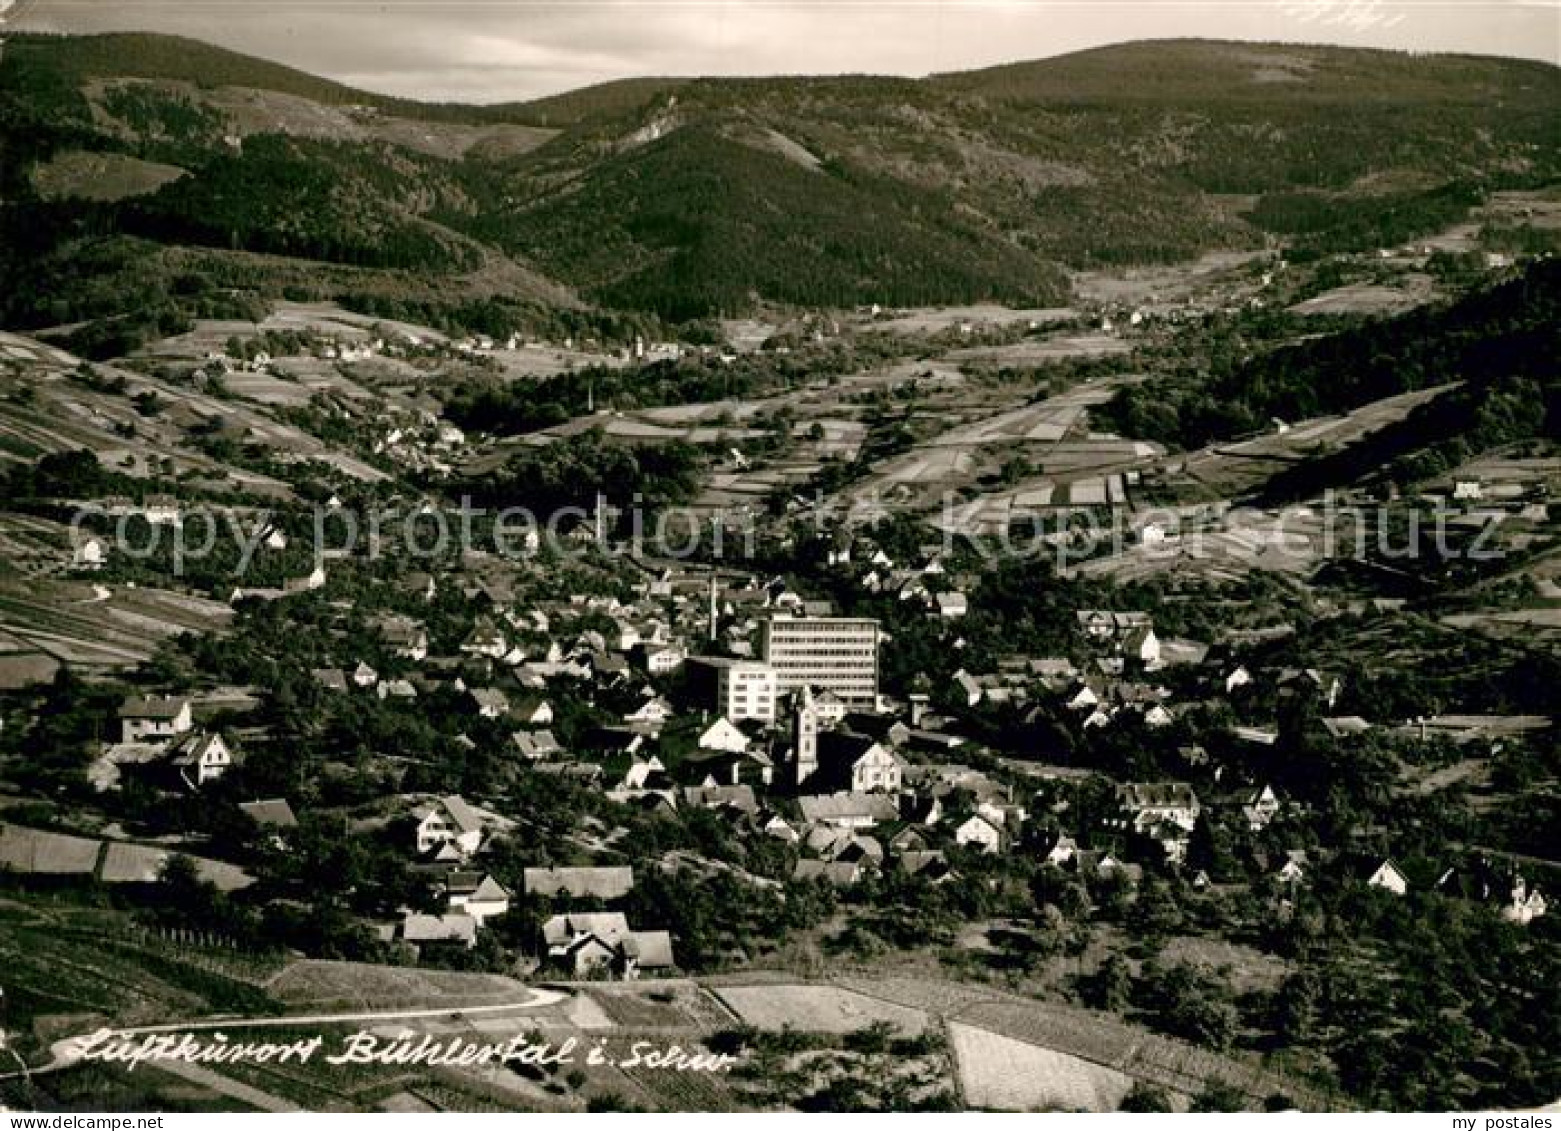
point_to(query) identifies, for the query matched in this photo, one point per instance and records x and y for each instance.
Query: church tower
(804, 738)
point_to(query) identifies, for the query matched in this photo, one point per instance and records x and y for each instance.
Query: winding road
(67, 1051)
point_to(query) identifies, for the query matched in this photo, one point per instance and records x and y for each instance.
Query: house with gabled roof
(536, 745)
(736, 798)
(854, 764)
(925, 864)
(1141, 644)
(1060, 850)
(491, 703)
(725, 735)
(154, 718)
(200, 758)
(406, 638)
(270, 813)
(774, 825)
(1258, 806)
(848, 810)
(332, 679)
(448, 821)
(485, 640)
(532, 711)
(476, 894)
(1164, 811)
(1387, 876)
(1293, 871)
(425, 931)
(653, 712)
(841, 873)
(584, 942)
(976, 831)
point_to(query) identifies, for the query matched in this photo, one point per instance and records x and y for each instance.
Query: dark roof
(275, 813)
(30, 851)
(600, 883)
(159, 707)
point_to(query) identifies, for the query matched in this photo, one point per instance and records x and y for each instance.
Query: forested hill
(130, 161)
(1499, 346)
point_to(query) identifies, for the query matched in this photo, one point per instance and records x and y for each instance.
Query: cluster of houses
(782, 733)
(160, 743)
(448, 837)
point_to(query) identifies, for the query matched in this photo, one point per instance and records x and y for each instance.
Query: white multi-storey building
(746, 689)
(836, 654)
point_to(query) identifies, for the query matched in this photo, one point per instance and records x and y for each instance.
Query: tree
(1217, 1095)
(1296, 1008)
(1111, 986)
(1144, 1097)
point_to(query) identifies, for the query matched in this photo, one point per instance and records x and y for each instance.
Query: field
(1364, 298)
(936, 320)
(100, 176)
(95, 626)
(815, 1009)
(1000, 1072)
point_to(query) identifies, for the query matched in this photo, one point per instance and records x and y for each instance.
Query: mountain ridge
(685, 198)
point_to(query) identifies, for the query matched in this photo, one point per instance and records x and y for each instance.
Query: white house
(92, 554)
(533, 712)
(663, 658)
(201, 758)
(978, 831)
(476, 894)
(952, 605)
(723, 735)
(448, 820)
(1062, 851)
(154, 719)
(1389, 878)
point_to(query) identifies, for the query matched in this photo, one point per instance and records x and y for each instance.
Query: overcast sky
(498, 50)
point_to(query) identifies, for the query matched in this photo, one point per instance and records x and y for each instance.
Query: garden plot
(1009, 1075)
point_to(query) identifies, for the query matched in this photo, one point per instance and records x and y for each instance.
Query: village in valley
(930, 707)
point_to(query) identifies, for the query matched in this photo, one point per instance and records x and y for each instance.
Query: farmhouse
(592, 941)
(154, 719)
